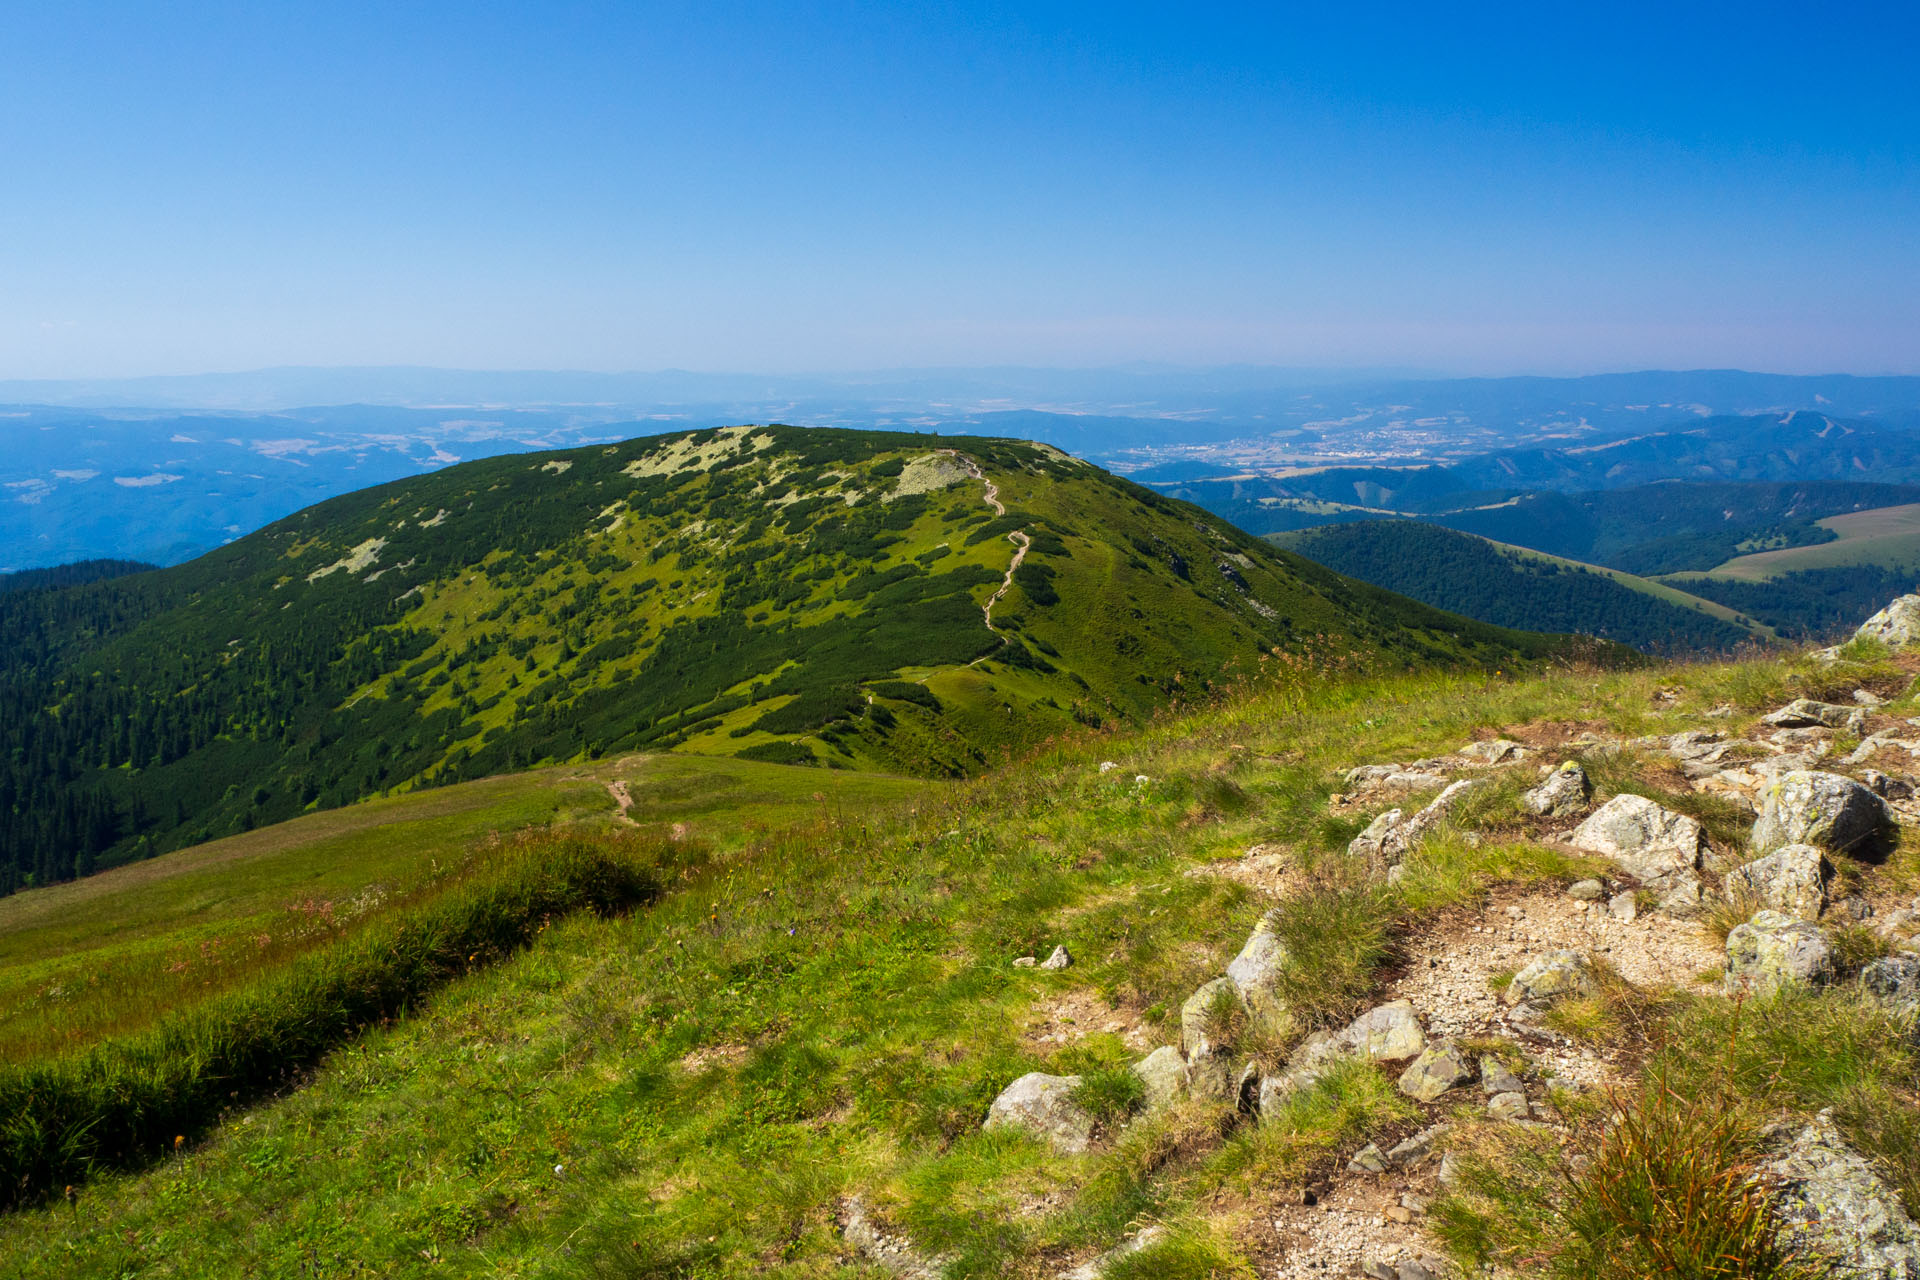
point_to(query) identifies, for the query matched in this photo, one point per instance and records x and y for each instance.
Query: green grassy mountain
(853, 599)
(1517, 587)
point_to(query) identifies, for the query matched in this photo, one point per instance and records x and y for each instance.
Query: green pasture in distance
(109, 954)
(1887, 536)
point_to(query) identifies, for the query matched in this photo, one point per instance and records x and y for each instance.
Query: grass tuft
(1668, 1188)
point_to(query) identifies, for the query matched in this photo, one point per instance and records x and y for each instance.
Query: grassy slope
(1884, 536)
(1660, 591)
(108, 954)
(690, 1090)
(716, 592)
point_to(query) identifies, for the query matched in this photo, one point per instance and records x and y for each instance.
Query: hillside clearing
(1884, 536)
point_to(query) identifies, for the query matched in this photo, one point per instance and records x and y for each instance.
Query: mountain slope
(1512, 586)
(857, 599)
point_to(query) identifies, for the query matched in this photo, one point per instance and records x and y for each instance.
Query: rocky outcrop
(1563, 794)
(1826, 810)
(1772, 950)
(1044, 1106)
(1656, 846)
(1832, 1206)
(1792, 881)
(1897, 625)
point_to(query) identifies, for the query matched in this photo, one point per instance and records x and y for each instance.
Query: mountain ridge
(781, 594)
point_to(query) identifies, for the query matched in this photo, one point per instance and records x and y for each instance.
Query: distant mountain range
(89, 473)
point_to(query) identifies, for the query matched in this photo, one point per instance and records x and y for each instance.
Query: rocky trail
(1018, 537)
(1468, 1022)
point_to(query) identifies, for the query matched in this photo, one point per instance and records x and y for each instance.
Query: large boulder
(1772, 950)
(1256, 970)
(1792, 881)
(1656, 846)
(1562, 795)
(1553, 976)
(1826, 810)
(1897, 625)
(1836, 1210)
(1044, 1106)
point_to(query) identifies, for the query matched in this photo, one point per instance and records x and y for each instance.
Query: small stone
(1413, 1204)
(1058, 960)
(1025, 962)
(1368, 1159)
(1379, 1271)
(1434, 1072)
(1414, 1270)
(1495, 1078)
(1624, 907)
(1412, 1152)
(1805, 713)
(1553, 976)
(1398, 1213)
(1387, 1033)
(1587, 890)
(1894, 981)
(1508, 1106)
(1564, 793)
(1497, 751)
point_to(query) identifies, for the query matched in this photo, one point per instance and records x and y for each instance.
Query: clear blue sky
(1466, 188)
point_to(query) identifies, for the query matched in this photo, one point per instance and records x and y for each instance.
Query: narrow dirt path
(1021, 542)
(622, 797)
